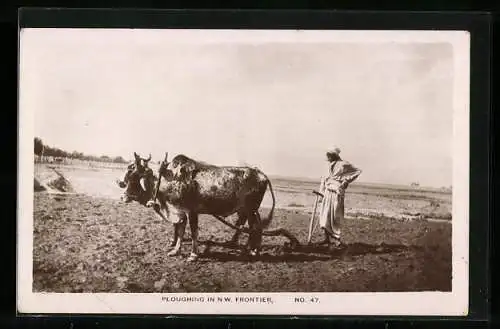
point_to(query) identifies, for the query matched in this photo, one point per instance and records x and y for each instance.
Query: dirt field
(92, 242)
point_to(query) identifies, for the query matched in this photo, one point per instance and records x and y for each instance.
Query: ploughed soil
(91, 244)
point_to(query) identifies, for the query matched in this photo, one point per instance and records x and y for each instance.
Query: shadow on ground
(303, 253)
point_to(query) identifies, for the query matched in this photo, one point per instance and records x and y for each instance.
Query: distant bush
(58, 153)
(119, 159)
(38, 146)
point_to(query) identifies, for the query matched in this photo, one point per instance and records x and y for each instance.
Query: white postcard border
(410, 303)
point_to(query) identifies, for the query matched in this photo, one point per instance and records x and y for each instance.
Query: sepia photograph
(243, 171)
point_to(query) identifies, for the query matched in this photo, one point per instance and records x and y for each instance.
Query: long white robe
(332, 207)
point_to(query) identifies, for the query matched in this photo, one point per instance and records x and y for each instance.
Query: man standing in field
(333, 186)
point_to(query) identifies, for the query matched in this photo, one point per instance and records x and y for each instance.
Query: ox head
(141, 163)
(180, 168)
(138, 180)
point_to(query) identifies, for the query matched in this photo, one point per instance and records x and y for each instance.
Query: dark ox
(138, 171)
(188, 188)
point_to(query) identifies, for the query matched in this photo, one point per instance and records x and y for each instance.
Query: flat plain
(398, 238)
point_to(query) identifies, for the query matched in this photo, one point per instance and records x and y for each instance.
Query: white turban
(334, 150)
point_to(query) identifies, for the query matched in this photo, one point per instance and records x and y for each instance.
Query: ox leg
(174, 240)
(242, 219)
(126, 198)
(255, 238)
(258, 234)
(179, 235)
(193, 225)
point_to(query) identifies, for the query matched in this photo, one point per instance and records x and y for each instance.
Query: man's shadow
(302, 253)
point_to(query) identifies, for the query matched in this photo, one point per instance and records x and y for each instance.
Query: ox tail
(266, 221)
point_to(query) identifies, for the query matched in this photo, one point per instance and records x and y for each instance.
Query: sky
(278, 105)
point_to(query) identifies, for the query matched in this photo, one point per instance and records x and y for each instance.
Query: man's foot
(326, 239)
(336, 244)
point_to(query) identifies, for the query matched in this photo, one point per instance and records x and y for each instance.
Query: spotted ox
(139, 182)
(188, 188)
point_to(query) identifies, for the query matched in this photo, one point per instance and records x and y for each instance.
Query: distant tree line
(45, 150)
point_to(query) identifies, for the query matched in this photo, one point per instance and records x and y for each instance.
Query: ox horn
(166, 156)
(149, 158)
(136, 155)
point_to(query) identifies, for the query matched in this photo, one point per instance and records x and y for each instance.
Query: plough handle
(317, 193)
(311, 221)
